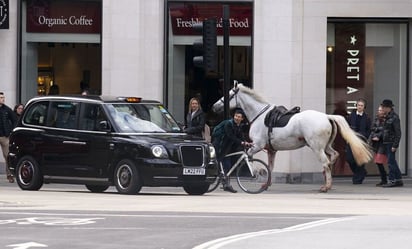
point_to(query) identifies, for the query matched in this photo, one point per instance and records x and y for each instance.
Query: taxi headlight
(212, 152)
(159, 151)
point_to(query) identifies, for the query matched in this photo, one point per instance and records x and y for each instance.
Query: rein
(260, 113)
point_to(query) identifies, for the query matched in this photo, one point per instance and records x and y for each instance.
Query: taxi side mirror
(104, 126)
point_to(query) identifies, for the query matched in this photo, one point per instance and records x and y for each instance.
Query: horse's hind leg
(323, 158)
(328, 179)
(332, 153)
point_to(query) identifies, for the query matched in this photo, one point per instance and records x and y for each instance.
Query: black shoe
(381, 184)
(392, 184)
(229, 188)
(357, 182)
(10, 178)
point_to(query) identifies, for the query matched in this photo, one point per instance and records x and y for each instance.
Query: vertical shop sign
(4, 14)
(349, 63)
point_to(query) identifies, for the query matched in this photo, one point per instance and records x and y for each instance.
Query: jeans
(394, 171)
(227, 164)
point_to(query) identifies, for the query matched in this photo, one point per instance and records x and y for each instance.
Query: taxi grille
(192, 156)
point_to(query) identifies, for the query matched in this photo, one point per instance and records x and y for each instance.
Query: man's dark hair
(239, 110)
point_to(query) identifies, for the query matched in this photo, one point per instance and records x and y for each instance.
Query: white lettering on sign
(72, 20)
(239, 23)
(351, 90)
(187, 23)
(233, 23)
(352, 62)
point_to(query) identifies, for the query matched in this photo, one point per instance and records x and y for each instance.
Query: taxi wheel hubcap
(124, 176)
(26, 172)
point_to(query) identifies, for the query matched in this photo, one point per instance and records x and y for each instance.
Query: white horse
(310, 128)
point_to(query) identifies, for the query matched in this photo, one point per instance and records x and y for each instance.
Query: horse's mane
(250, 92)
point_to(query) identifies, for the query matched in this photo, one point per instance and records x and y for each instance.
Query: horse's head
(219, 105)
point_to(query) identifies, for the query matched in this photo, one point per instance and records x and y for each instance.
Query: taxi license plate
(194, 171)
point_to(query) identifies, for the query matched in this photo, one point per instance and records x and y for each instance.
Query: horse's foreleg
(271, 160)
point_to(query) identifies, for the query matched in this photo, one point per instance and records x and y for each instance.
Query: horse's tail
(360, 149)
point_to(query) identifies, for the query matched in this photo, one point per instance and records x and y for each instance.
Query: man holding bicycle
(234, 140)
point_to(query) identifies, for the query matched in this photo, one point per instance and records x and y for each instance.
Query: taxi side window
(63, 115)
(90, 116)
(36, 114)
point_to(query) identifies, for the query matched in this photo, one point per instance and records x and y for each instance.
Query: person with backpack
(229, 137)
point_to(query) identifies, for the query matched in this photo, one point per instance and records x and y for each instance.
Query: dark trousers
(359, 171)
(394, 171)
(382, 173)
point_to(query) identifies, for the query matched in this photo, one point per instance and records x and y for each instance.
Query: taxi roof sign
(131, 99)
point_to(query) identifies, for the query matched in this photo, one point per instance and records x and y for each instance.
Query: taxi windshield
(142, 118)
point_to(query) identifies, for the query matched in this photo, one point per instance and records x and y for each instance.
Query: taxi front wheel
(126, 178)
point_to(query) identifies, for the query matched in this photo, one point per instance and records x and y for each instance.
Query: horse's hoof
(323, 189)
(265, 186)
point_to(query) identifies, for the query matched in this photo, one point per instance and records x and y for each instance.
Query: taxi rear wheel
(28, 174)
(126, 178)
(97, 188)
(196, 189)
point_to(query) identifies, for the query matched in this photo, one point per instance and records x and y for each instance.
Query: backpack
(206, 134)
(218, 134)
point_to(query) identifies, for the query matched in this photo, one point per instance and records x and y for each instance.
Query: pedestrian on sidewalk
(360, 122)
(376, 141)
(391, 138)
(7, 122)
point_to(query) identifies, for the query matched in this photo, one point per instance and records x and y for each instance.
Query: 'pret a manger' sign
(350, 62)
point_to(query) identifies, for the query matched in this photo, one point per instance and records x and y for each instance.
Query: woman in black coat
(195, 118)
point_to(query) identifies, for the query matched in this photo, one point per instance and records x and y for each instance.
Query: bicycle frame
(255, 181)
(243, 156)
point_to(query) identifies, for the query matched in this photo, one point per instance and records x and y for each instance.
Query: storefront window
(367, 59)
(60, 47)
(184, 80)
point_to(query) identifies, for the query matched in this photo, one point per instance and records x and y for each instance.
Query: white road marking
(155, 215)
(26, 245)
(218, 243)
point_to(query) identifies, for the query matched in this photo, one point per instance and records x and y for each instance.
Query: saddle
(279, 116)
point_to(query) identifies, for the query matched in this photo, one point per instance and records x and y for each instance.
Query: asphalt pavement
(355, 210)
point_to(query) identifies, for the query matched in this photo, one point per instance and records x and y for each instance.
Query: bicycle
(252, 175)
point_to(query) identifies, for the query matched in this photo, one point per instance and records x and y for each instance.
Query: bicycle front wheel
(255, 179)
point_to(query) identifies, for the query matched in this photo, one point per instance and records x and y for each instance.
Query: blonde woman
(195, 118)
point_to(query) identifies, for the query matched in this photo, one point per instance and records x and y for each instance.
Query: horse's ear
(235, 83)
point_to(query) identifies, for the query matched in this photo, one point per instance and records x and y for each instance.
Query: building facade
(319, 55)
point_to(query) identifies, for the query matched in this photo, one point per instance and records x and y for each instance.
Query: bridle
(233, 95)
(234, 91)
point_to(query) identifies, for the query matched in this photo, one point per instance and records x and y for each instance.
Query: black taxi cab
(102, 141)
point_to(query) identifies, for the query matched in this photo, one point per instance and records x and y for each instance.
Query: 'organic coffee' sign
(44, 16)
(4, 14)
